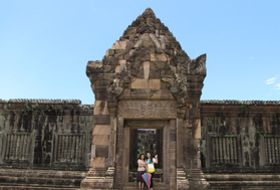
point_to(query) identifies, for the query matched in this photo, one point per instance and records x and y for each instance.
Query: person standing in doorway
(151, 161)
(142, 167)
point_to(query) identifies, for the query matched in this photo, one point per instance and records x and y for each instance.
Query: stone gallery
(147, 99)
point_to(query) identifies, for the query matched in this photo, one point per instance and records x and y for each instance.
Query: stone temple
(147, 99)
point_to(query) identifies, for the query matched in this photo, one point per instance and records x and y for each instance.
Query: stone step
(40, 179)
(240, 181)
(135, 188)
(195, 173)
(26, 187)
(43, 173)
(155, 187)
(33, 180)
(242, 177)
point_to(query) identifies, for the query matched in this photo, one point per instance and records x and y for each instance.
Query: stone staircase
(182, 181)
(197, 179)
(239, 181)
(157, 186)
(19, 179)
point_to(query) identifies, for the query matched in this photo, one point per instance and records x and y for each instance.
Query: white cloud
(277, 86)
(271, 81)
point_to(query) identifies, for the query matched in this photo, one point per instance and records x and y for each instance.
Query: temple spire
(148, 12)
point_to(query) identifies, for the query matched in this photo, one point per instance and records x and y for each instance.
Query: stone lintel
(138, 94)
(147, 109)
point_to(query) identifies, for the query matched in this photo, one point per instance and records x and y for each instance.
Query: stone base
(97, 183)
(99, 179)
(23, 179)
(243, 181)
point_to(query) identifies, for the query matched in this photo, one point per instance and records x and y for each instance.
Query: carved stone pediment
(146, 57)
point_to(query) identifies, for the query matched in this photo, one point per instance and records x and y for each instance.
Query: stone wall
(240, 147)
(52, 134)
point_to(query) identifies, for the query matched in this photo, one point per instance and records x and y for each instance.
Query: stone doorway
(143, 140)
(147, 136)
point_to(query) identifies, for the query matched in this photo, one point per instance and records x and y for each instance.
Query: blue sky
(45, 45)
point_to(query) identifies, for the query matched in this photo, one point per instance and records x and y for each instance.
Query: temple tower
(146, 87)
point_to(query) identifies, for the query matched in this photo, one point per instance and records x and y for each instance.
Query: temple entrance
(142, 141)
(142, 136)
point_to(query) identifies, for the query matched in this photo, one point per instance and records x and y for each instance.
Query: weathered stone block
(159, 57)
(172, 135)
(101, 139)
(120, 44)
(98, 162)
(102, 119)
(153, 84)
(101, 108)
(102, 130)
(101, 151)
(101, 94)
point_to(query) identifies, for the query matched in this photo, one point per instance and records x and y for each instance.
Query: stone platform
(19, 179)
(243, 181)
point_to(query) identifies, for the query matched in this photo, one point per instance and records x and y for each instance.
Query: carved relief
(31, 128)
(150, 53)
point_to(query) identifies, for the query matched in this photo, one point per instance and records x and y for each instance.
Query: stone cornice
(43, 101)
(240, 102)
(203, 102)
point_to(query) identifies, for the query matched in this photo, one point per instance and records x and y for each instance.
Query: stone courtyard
(147, 99)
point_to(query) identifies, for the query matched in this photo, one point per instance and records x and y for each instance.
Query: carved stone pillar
(195, 174)
(101, 173)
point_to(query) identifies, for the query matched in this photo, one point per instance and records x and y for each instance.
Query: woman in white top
(151, 161)
(142, 166)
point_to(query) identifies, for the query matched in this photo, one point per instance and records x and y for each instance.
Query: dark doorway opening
(143, 140)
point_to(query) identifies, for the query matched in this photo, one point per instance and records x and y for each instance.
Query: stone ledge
(26, 187)
(241, 102)
(243, 181)
(39, 179)
(243, 176)
(97, 183)
(45, 173)
(43, 101)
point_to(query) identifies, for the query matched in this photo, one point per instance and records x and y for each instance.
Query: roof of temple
(78, 102)
(242, 102)
(148, 23)
(146, 39)
(43, 101)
